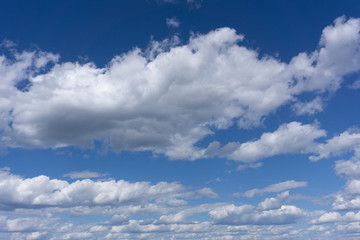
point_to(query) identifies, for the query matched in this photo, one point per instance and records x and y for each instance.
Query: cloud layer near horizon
(165, 98)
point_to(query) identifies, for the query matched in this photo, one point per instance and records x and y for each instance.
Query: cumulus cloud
(184, 215)
(247, 214)
(274, 202)
(172, 22)
(312, 107)
(349, 168)
(349, 197)
(293, 137)
(277, 187)
(336, 217)
(167, 101)
(41, 191)
(347, 141)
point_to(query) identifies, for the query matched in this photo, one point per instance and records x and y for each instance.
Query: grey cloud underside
(166, 98)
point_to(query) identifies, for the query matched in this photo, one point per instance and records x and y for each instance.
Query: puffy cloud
(337, 217)
(274, 202)
(312, 107)
(347, 141)
(184, 215)
(293, 137)
(41, 191)
(169, 101)
(172, 22)
(349, 197)
(277, 187)
(329, 217)
(348, 168)
(247, 214)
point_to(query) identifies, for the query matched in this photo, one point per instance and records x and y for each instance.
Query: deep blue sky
(101, 29)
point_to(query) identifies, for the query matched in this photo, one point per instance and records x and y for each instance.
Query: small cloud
(160, 2)
(7, 43)
(355, 85)
(172, 22)
(277, 187)
(84, 174)
(216, 180)
(312, 107)
(250, 165)
(194, 3)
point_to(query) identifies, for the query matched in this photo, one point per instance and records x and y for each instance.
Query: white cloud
(184, 215)
(249, 215)
(355, 85)
(348, 168)
(172, 22)
(41, 191)
(349, 197)
(312, 107)
(277, 187)
(249, 165)
(84, 174)
(274, 202)
(169, 101)
(336, 217)
(347, 141)
(194, 3)
(288, 138)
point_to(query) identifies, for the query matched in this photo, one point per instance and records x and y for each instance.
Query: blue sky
(179, 119)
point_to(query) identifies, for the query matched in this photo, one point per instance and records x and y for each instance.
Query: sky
(179, 119)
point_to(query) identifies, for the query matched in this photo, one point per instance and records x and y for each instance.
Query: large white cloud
(167, 98)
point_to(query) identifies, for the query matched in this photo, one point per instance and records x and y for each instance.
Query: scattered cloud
(347, 141)
(249, 215)
(349, 197)
(274, 202)
(194, 3)
(172, 22)
(249, 165)
(84, 174)
(312, 107)
(277, 187)
(355, 85)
